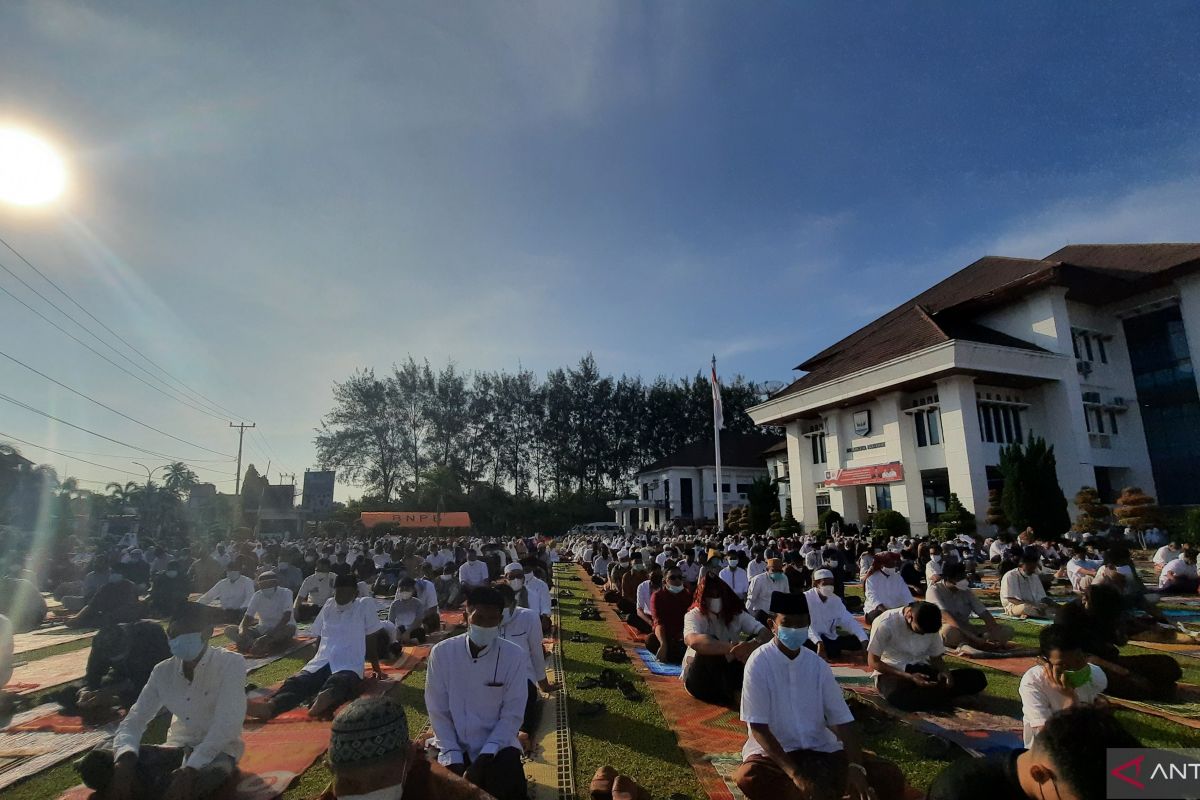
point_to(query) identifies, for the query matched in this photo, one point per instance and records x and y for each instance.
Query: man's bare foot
(323, 706)
(259, 708)
(526, 742)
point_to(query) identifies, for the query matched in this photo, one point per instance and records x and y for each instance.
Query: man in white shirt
(1179, 576)
(905, 651)
(315, 591)
(476, 688)
(1166, 554)
(1022, 592)
(203, 688)
(538, 593)
(1062, 678)
(758, 601)
(523, 628)
(801, 740)
(833, 631)
(473, 573)
(231, 595)
(757, 565)
(345, 629)
(735, 577)
(426, 592)
(1080, 569)
(267, 624)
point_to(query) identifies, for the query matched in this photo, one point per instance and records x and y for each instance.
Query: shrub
(891, 522)
(828, 518)
(1136, 509)
(1093, 515)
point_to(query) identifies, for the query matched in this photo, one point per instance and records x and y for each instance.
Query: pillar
(908, 497)
(965, 460)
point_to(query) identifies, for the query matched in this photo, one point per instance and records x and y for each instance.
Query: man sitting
(449, 594)
(834, 630)
(267, 624)
(115, 602)
(370, 755)
(118, 668)
(169, 591)
(315, 592)
(345, 627)
(668, 606)
(1022, 592)
(203, 688)
(762, 586)
(229, 596)
(1166, 554)
(406, 616)
(523, 628)
(905, 651)
(476, 688)
(802, 743)
(1066, 762)
(1179, 576)
(953, 595)
(1063, 678)
(473, 573)
(641, 619)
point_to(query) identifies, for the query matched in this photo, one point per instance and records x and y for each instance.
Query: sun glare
(31, 172)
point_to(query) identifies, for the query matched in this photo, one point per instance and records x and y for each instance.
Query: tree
(995, 511)
(1093, 515)
(180, 479)
(361, 437)
(1136, 509)
(1032, 497)
(890, 522)
(954, 521)
(789, 526)
(764, 501)
(828, 518)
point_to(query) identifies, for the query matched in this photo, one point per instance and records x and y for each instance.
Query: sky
(265, 197)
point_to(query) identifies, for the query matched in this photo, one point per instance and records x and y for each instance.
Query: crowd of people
(755, 621)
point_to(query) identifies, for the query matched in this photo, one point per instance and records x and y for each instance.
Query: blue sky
(266, 196)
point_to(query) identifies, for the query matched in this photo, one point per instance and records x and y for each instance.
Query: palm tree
(179, 479)
(125, 496)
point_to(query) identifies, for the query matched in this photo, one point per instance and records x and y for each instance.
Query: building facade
(1092, 348)
(683, 486)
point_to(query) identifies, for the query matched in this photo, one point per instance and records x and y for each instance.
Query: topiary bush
(891, 522)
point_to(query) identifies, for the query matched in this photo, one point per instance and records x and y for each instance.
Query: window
(1100, 350)
(724, 488)
(1112, 422)
(1000, 423)
(743, 488)
(818, 448)
(927, 427)
(1089, 346)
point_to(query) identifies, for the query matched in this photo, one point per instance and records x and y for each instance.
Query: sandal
(609, 679)
(589, 709)
(580, 637)
(615, 654)
(629, 691)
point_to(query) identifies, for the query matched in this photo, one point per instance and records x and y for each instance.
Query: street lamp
(150, 472)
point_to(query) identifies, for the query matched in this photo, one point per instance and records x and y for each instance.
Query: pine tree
(789, 526)
(1032, 497)
(995, 511)
(955, 520)
(1093, 515)
(1136, 509)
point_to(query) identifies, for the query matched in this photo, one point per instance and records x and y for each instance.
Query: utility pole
(237, 483)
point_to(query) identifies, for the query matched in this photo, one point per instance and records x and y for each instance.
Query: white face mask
(404, 595)
(517, 584)
(826, 590)
(936, 559)
(715, 604)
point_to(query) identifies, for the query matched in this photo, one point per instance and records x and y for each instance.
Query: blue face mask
(792, 638)
(187, 647)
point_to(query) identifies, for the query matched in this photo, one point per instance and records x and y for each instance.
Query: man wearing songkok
(267, 625)
(371, 757)
(833, 629)
(204, 689)
(476, 688)
(802, 743)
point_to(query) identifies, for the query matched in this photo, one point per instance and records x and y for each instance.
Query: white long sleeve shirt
(761, 588)
(206, 712)
(473, 573)
(525, 630)
(343, 631)
(736, 579)
(828, 614)
(889, 591)
(316, 588)
(756, 568)
(228, 595)
(470, 717)
(539, 595)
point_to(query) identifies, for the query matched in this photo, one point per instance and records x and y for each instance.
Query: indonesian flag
(718, 414)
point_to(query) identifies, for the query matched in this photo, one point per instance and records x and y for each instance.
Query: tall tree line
(417, 434)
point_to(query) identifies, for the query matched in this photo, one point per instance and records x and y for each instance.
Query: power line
(118, 336)
(110, 408)
(154, 453)
(61, 453)
(100, 355)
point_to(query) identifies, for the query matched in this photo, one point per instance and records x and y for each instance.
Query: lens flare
(32, 173)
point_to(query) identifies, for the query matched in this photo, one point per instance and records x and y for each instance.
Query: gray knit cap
(369, 729)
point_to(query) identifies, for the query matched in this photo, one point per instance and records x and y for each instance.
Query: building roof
(778, 447)
(1092, 274)
(737, 450)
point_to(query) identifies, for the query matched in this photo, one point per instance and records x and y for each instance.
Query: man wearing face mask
(476, 689)
(1022, 592)
(169, 591)
(473, 574)
(229, 596)
(953, 595)
(523, 628)
(115, 602)
(405, 616)
(267, 625)
(884, 587)
(735, 576)
(372, 758)
(1062, 678)
(290, 576)
(449, 594)
(536, 593)
(762, 586)
(314, 593)
(668, 606)
(119, 665)
(203, 688)
(801, 740)
(346, 629)
(833, 630)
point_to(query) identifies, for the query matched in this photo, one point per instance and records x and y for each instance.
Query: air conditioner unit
(1083, 367)
(1091, 397)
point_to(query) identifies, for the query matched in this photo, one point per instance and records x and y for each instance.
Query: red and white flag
(718, 413)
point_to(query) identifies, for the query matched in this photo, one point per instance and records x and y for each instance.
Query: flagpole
(717, 423)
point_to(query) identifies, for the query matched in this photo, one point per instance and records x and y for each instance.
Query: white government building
(1092, 348)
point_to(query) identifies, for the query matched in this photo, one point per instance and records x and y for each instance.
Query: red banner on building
(860, 476)
(417, 519)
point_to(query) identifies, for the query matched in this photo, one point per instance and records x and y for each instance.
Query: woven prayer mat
(297, 644)
(47, 637)
(48, 673)
(28, 752)
(978, 732)
(1189, 650)
(1184, 710)
(657, 667)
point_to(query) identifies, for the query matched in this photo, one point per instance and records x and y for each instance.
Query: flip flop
(609, 678)
(629, 691)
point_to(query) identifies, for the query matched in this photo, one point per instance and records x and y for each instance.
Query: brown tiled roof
(1091, 273)
(778, 447)
(737, 450)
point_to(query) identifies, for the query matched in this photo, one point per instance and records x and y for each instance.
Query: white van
(600, 529)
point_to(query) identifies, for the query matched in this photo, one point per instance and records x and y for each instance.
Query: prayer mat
(1191, 650)
(973, 654)
(632, 634)
(978, 732)
(657, 667)
(852, 675)
(48, 637)
(55, 722)
(39, 750)
(48, 673)
(1184, 710)
(1013, 665)
(1181, 614)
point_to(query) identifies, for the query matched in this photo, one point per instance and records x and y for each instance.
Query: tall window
(818, 448)
(1000, 423)
(1089, 346)
(928, 428)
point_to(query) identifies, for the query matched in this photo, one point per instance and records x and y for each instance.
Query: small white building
(683, 485)
(1093, 348)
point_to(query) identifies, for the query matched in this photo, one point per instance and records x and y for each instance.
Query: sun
(32, 173)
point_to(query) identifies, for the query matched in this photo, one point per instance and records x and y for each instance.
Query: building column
(965, 461)
(843, 500)
(801, 475)
(908, 497)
